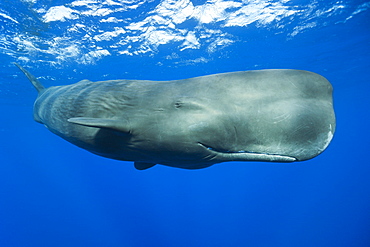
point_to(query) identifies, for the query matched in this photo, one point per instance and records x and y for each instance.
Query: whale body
(274, 115)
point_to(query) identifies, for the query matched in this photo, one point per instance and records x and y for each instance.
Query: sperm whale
(273, 115)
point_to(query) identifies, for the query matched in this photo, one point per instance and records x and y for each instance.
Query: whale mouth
(247, 155)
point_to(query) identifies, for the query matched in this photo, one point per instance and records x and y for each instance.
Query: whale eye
(178, 104)
(188, 103)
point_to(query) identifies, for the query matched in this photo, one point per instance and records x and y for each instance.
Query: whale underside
(276, 115)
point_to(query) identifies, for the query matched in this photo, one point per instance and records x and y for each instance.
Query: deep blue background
(55, 194)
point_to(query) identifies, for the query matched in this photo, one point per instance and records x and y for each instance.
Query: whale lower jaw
(246, 156)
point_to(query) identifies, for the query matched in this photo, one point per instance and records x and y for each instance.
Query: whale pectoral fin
(119, 125)
(143, 165)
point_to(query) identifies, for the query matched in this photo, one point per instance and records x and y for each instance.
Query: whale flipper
(143, 165)
(105, 123)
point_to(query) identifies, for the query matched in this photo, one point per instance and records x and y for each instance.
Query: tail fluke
(39, 87)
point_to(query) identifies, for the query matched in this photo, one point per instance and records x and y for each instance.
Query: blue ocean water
(55, 194)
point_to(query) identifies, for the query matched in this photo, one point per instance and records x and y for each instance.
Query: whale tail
(39, 87)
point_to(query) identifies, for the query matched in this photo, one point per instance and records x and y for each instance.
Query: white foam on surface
(129, 27)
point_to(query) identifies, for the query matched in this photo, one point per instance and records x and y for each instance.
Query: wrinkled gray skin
(266, 115)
